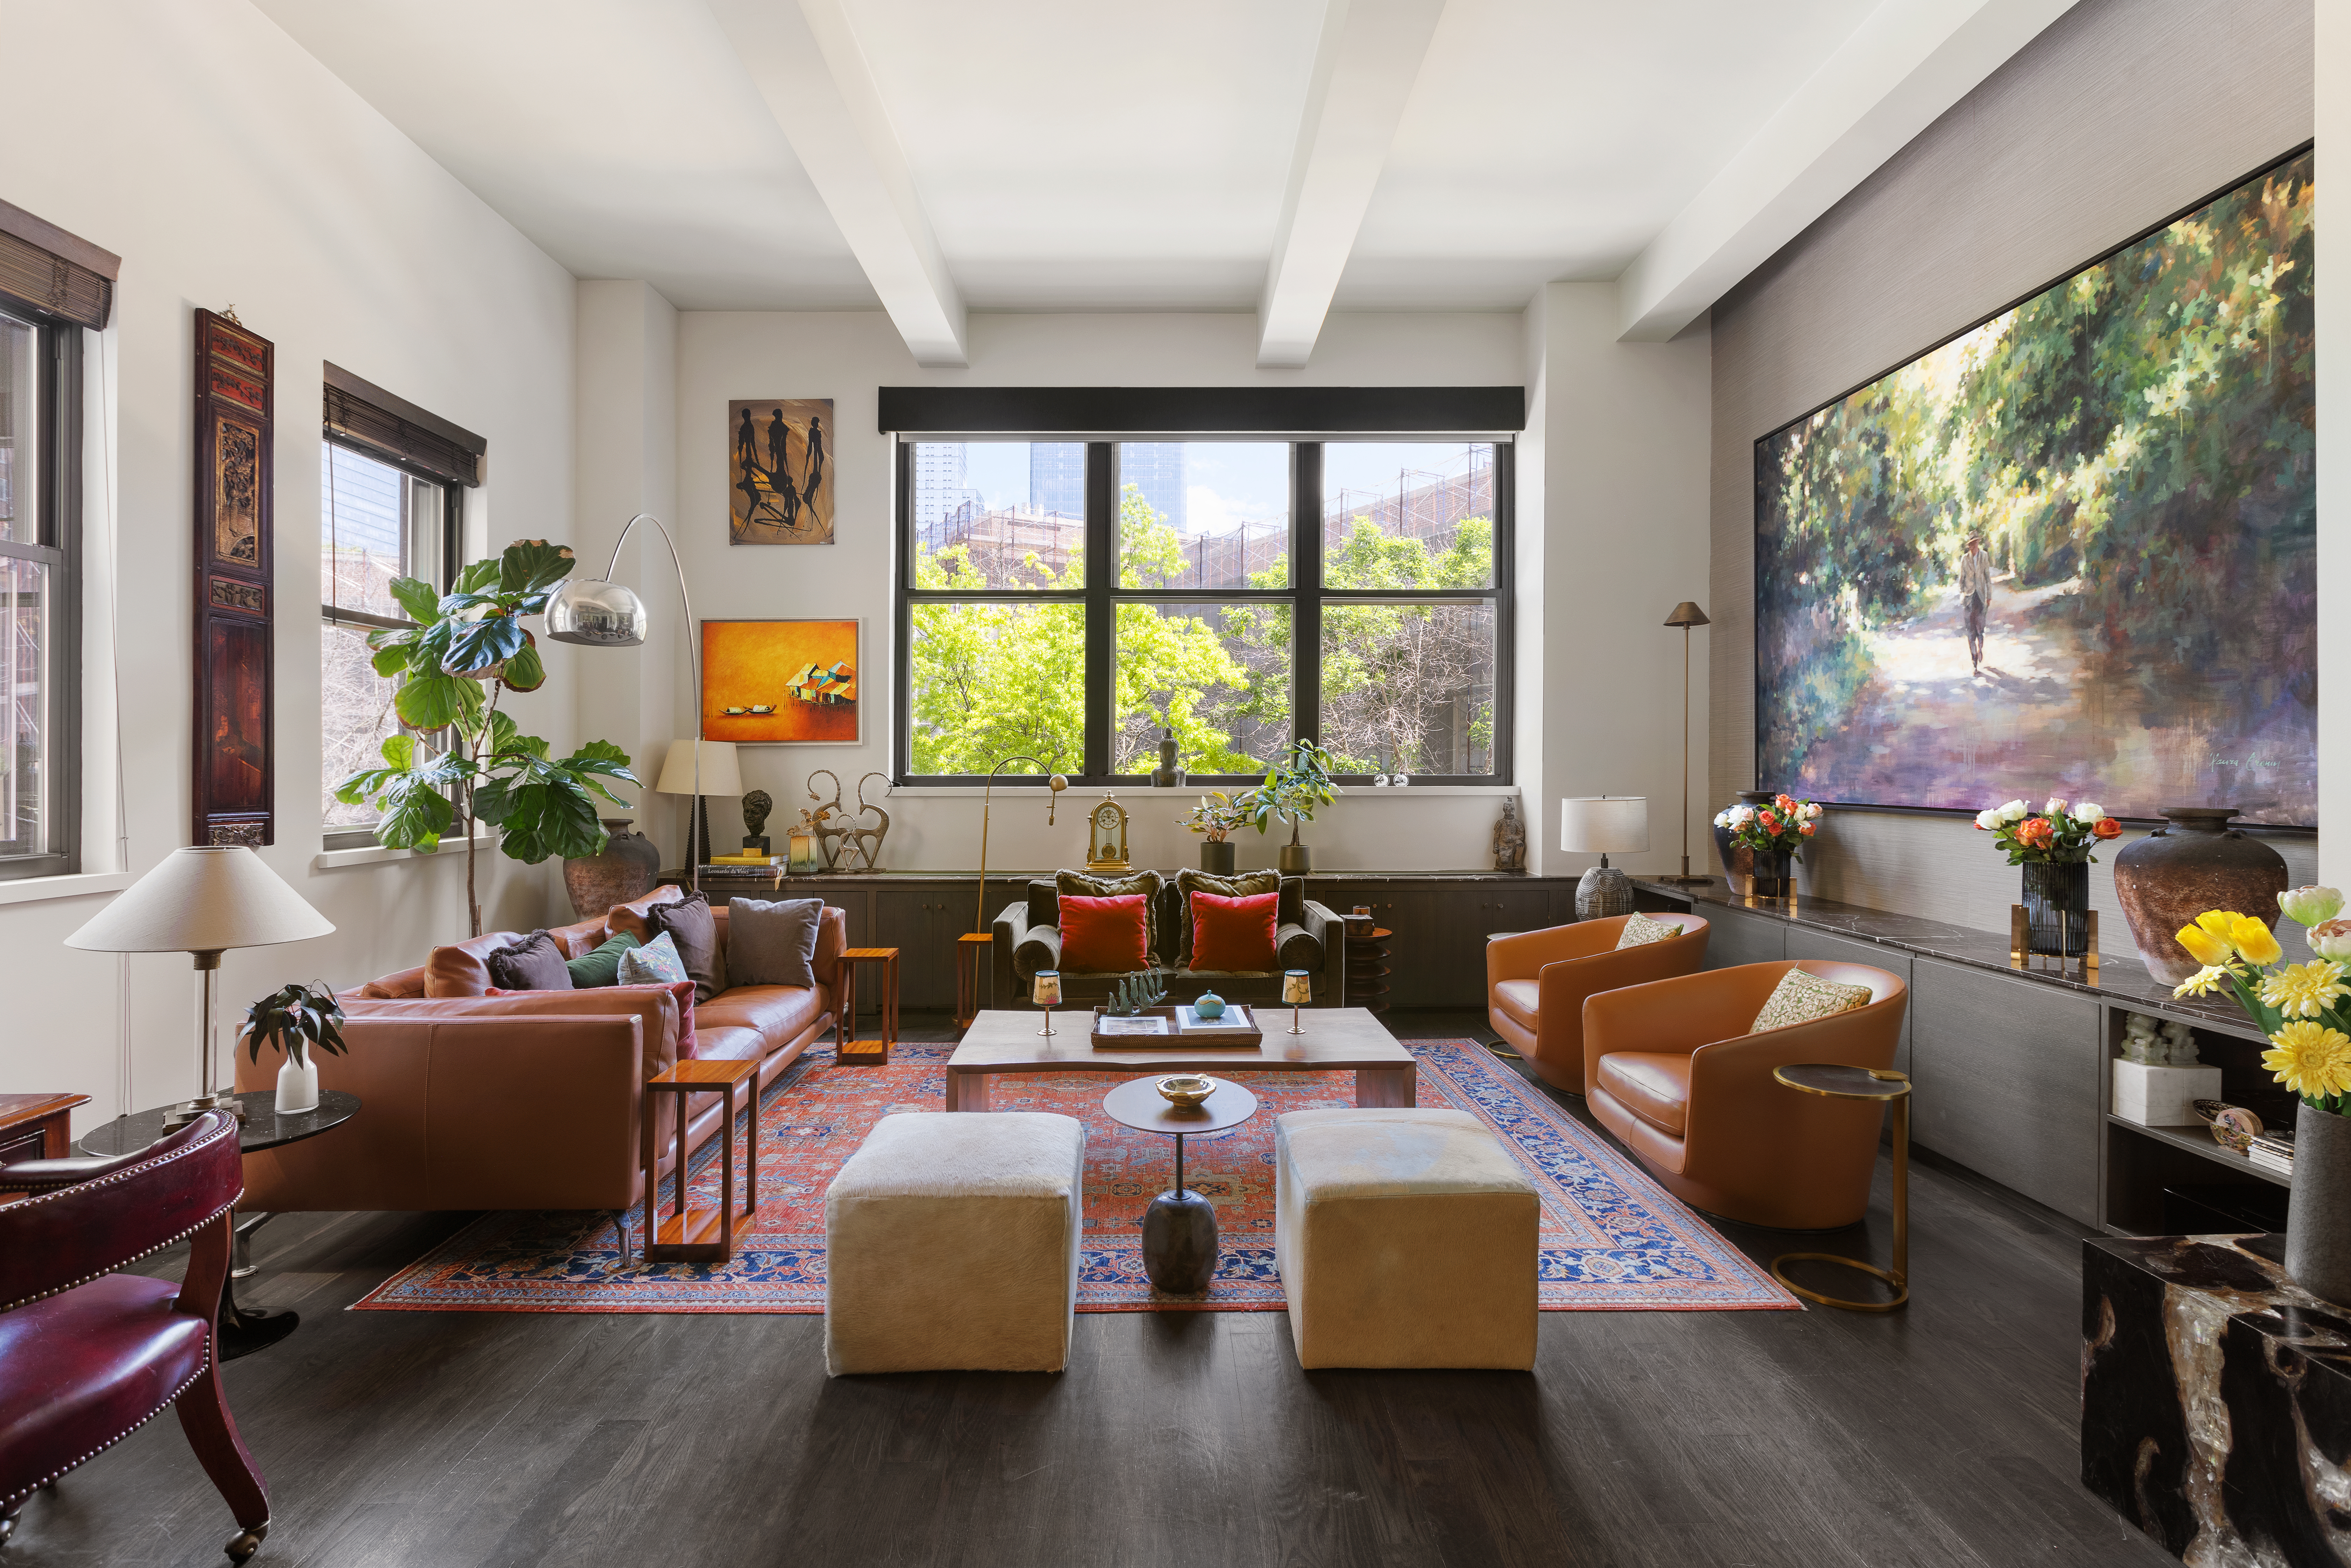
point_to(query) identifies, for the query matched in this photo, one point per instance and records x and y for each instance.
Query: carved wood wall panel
(235, 664)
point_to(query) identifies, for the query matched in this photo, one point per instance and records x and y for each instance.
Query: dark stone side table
(2216, 1399)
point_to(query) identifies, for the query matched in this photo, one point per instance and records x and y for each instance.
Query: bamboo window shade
(361, 415)
(46, 270)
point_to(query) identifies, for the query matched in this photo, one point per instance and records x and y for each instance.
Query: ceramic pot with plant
(296, 1020)
(1774, 833)
(1293, 790)
(2302, 1008)
(2053, 848)
(1214, 818)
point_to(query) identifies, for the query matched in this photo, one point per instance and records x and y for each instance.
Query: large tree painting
(2070, 551)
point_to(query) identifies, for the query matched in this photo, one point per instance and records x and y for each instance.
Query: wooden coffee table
(1337, 1039)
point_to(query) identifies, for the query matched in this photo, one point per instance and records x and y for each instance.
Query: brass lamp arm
(1054, 786)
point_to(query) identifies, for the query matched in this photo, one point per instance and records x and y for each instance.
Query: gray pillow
(533, 963)
(688, 924)
(772, 944)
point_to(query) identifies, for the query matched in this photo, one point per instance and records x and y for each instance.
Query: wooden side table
(700, 1235)
(845, 1048)
(972, 956)
(1367, 963)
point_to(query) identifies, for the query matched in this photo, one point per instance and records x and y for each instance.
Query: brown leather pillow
(688, 924)
(533, 964)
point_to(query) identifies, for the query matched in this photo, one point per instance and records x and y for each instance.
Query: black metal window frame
(59, 548)
(1307, 596)
(452, 533)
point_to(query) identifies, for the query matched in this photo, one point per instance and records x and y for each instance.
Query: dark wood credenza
(35, 1126)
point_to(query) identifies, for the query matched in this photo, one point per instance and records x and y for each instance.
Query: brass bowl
(1187, 1090)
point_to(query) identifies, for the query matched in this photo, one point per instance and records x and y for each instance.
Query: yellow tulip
(2253, 939)
(2206, 948)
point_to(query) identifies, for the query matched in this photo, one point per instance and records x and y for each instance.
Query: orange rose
(2035, 833)
(1808, 828)
(2108, 828)
(1785, 802)
(1770, 823)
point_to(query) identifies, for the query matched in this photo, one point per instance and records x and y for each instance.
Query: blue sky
(1235, 481)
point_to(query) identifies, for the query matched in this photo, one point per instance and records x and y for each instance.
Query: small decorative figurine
(864, 843)
(2141, 1044)
(1134, 992)
(1510, 837)
(1209, 1005)
(757, 805)
(2181, 1040)
(828, 833)
(1166, 775)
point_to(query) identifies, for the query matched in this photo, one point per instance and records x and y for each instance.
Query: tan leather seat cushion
(1519, 998)
(1653, 1085)
(777, 1012)
(727, 1042)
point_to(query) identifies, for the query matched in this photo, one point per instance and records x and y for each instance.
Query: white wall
(2123, 111)
(846, 357)
(226, 166)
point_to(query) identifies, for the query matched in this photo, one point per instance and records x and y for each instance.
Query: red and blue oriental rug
(1612, 1238)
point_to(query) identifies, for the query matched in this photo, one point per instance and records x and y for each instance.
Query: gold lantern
(1106, 837)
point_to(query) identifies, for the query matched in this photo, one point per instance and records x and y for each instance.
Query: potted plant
(2300, 1007)
(467, 649)
(1214, 818)
(2053, 848)
(295, 1018)
(1774, 832)
(1293, 787)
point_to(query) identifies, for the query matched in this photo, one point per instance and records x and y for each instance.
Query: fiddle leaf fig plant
(295, 1018)
(467, 649)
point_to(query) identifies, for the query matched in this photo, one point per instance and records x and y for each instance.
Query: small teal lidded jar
(1209, 1005)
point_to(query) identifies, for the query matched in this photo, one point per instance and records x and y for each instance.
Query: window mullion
(1101, 614)
(1306, 578)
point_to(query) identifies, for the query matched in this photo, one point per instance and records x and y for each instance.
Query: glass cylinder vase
(1774, 872)
(2057, 907)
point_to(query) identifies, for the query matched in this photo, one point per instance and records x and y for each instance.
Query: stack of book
(2273, 1150)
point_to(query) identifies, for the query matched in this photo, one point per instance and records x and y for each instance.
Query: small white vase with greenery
(296, 1019)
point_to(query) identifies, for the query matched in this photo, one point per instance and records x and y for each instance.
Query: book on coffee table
(1145, 1024)
(1237, 1028)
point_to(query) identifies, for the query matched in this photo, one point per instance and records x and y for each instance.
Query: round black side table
(241, 1332)
(1838, 1082)
(1179, 1229)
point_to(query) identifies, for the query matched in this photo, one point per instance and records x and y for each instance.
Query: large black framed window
(1071, 598)
(40, 587)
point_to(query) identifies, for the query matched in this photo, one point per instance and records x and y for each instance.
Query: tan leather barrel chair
(1536, 983)
(1690, 1091)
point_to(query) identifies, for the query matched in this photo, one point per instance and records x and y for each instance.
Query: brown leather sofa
(1536, 982)
(526, 1101)
(1028, 937)
(1691, 1092)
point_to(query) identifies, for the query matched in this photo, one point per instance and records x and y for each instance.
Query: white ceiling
(1079, 154)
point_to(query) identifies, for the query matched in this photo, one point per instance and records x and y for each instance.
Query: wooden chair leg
(212, 1433)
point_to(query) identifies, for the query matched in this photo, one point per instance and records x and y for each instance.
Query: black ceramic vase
(2057, 906)
(2177, 871)
(2318, 1218)
(1736, 862)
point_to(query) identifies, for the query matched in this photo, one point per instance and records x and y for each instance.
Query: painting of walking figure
(780, 485)
(2075, 545)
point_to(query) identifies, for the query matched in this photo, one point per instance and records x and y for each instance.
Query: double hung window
(40, 591)
(1074, 601)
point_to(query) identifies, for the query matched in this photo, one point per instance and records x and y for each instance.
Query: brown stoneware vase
(2176, 872)
(625, 871)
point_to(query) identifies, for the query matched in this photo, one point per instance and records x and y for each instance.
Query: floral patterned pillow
(654, 964)
(1640, 931)
(1802, 996)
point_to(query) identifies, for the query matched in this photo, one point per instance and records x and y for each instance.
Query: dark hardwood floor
(1944, 1435)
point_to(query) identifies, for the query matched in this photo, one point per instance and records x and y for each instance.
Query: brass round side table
(1838, 1082)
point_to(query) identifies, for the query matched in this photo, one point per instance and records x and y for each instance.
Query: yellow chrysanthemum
(2255, 941)
(2203, 982)
(2304, 990)
(2206, 947)
(2311, 1059)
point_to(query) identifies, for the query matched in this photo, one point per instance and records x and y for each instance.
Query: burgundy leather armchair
(87, 1356)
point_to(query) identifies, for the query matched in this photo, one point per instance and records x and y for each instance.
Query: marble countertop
(2119, 978)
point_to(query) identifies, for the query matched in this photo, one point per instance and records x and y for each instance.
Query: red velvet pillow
(683, 990)
(1233, 932)
(1104, 936)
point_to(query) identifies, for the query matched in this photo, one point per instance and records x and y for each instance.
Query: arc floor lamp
(1685, 615)
(597, 612)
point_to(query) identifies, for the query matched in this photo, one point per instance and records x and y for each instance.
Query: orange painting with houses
(767, 682)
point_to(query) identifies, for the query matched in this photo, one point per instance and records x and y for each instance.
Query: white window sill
(1030, 785)
(376, 854)
(33, 889)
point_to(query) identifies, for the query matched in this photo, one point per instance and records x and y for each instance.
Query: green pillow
(600, 968)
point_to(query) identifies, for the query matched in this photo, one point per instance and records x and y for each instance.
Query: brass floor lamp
(1685, 615)
(971, 947)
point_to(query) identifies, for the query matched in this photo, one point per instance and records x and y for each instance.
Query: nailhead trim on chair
(125, 1175)
(13, 1499)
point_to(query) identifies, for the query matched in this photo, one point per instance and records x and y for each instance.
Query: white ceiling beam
(807, 64)
(1908, 62)
(1364, 66)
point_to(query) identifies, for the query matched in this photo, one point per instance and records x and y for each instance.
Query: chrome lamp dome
(597, 613)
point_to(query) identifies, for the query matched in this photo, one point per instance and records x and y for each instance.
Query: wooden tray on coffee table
(1241, 1029)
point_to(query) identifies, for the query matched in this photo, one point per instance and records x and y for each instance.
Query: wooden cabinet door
(922, 922)
(1735, 937)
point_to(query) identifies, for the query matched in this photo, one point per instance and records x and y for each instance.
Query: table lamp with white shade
(203, 900)
(717, 772)
(1604, 825)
